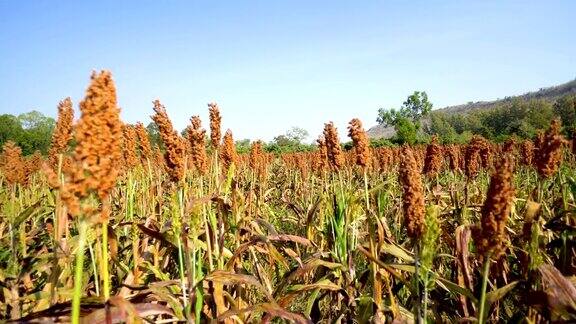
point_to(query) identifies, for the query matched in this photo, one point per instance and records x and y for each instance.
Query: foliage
(406, 120)
(291, 141)
(413, 109)
(565, 108)
(31, 131)
(520, 118)
(154, 135)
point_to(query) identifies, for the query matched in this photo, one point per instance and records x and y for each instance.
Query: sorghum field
(109, 229)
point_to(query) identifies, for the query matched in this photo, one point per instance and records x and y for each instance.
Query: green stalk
(482, 308)
(199, 292)
(206, 228)
(425, 296)
(95, 269)
(181, 269)
(105, 275)
(373, 266)
(78, 271)
(179, 240)
(419, 318)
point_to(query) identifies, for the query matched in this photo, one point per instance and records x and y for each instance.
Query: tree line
(32, 131)
(414, 122)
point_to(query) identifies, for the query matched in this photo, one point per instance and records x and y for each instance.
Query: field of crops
(108, 228)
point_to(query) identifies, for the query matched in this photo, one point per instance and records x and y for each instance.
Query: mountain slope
(550, 94)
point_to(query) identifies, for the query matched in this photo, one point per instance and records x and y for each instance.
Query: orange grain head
(197, 139)
(13, 164)
(490, 236)
(62, 132)
(93, 167)
(143, 143)
(362, 152)
(412, 194)
(549, 150)
(130, 156)
(228, 153)
(433, 159)
(215, 124)
(333, 149)
(174, 143)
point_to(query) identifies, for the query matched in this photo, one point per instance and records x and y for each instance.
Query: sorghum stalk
(482, 307)
(78, 271)
(490, 237)
(413, 196)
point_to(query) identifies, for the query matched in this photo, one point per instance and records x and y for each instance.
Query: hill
(549, 94)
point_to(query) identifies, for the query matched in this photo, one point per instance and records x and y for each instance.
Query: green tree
(414, 108)
(37, 132)
(243, 146)
(10, 129)
(440, 125)
(297, 134)
(565, 108)
(291, 141)
(406, 120)
(406, 131)
(154, 134)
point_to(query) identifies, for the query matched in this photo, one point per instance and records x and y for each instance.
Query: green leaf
(27, 213)
(496, 295)
(455, 289)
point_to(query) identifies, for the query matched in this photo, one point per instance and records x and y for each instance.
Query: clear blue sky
(276, 64)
